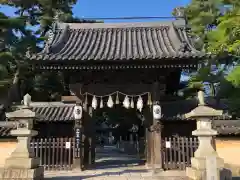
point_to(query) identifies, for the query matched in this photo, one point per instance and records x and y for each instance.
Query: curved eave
(60, 59)
(191, 63)
(164, 42)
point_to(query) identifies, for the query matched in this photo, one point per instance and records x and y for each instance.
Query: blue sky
(123, 8)
(109, 8)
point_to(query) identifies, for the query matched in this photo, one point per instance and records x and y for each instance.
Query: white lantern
(78, 112)
(140, 103)
(157, 111)
(110, 102)
(26, 100)
(126, 102)
(94, 102)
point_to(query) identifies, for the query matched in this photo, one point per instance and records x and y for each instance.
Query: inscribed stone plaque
(211, 168)
(168, 144)
(68, 145)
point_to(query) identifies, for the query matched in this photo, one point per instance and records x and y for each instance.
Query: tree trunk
(14, 94)
(16, 76)
(213, 89)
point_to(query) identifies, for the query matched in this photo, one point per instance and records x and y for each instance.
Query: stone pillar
(78, 128)
(206, 164)
(22, 163)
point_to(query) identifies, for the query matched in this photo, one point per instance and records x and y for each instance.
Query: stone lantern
(206, 164)
(22, 163)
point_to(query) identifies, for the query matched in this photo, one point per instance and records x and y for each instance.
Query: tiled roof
(54, 113)
(226, 127)
(119, 41)
(5, 131)
(58, 111)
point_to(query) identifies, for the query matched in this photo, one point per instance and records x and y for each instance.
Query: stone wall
(228, 149)
(6, 148)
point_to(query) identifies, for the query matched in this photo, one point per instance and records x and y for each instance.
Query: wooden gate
(54, 153)
(177, 152)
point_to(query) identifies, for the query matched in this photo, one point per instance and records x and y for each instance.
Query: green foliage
(201, 16)
(226, 37)
(17, 37)
(217, 33)
(234, 77)
(23, 33)
(230, 90)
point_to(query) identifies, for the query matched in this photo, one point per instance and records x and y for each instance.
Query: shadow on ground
(236, 178)
(110, 164)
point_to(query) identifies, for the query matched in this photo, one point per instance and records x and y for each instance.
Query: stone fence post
(22, 163)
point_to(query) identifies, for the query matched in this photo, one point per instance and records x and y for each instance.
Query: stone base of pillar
(77, 165)
(17, 162)
(148, 166)
(157, 171)
(28, 174)
(198, 171)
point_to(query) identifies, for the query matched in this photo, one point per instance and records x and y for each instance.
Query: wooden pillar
(92, 141)
(66, 82)
(148, 138)
(156, 131)
(78, 149)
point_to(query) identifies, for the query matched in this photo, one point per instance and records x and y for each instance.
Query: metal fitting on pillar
(156, 127)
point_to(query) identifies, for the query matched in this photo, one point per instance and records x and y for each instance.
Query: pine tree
(17, 37)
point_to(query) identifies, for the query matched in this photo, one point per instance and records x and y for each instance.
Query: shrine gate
(105, 64)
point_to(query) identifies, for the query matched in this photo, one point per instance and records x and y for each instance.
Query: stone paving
(111, 165)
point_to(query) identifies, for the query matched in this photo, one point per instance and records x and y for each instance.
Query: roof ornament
(179, 12)
(57, 16)
(184, 47)
(50, 32)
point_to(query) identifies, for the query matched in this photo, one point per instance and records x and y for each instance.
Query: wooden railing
(177, 152)
(54, 153)
(58, 153)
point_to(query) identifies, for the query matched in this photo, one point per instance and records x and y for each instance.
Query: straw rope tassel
(110, 102)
